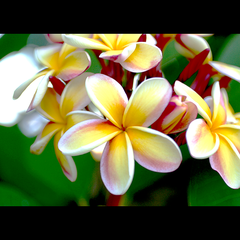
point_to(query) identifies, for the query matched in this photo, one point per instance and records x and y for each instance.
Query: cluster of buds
(129, 111)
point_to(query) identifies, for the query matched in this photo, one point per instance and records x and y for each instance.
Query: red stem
(113, 200)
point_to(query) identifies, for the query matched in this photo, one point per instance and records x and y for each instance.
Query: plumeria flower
(125, 131)
(177, 116)
(16, 67)
(63, 112)
(212, 136)
(60, 60)
(121, 48)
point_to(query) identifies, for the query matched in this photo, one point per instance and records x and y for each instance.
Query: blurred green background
(30, 180)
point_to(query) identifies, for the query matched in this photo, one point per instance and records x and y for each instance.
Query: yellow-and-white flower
(121, 48)
(60, 60)
(125, 130)
(63, 113)
(213, 136)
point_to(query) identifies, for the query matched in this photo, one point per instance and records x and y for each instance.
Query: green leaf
(230, 54)
(12, 196)
(207, 188)
(41, 175)
(172, 63)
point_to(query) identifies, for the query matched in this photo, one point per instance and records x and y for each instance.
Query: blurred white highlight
(15, 68)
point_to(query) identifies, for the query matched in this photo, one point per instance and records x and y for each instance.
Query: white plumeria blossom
(15, 68)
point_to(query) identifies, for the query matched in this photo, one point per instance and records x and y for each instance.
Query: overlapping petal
(113, 55)
(87, 135)
(117, 164)
(190, 45)
(73, 65)
(154, 150)
(203, 109)
(32, 124)
(109, 39)
(125, 39)
(74, 95)
(226, 69)
(219, 115)
(97, 152)
(108, 96)
(49, 107)
(202, 143)
(44, 137)
(189, 116)
(40, 91)
(66, 162)
(144, 57)
(170, 117)
(226, 161)
(65, 50)
(75, 117)
(48, 55)
(232, 132)
(147, 102)
(20, 89)
(83, 42)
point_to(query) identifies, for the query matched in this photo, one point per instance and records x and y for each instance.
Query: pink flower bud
(177, 116)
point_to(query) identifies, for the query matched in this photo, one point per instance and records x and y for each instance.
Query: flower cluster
(129, 111)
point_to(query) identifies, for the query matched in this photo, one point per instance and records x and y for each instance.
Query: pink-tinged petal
(49, 107)
(111, 55)
(189, 116)
(190, 45)
(117, 164)
(54, 38)
(125, 39)
(75, 117)
(87, 135)
(232, 132)
(202, 143)
(125, 53)
(147, 102)
(171, 115)
(177, 116)
(83, 42)
(74, 95)
(40, 92)
(226, 69)
(66, 162)
(48, 55)
(203, 109)
(144, 57)
(73, 65)
(44, 137)
(154, 150)
(219, 115)
(108, 96)
(226, 161)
